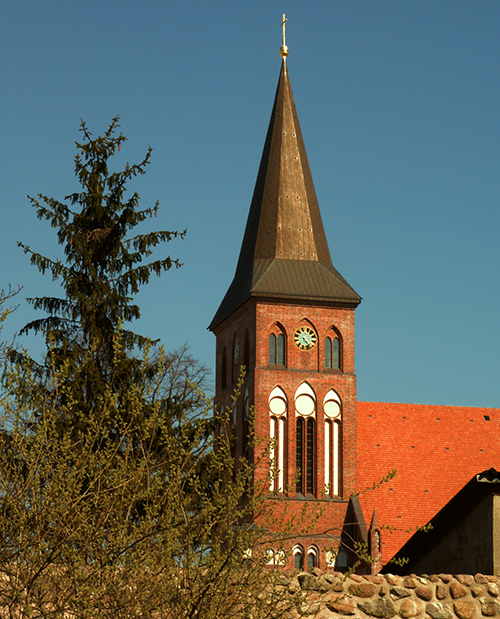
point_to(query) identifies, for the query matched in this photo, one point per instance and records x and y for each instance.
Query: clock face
(305, 338)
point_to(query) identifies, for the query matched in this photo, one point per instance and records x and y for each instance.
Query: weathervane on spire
(284, 48)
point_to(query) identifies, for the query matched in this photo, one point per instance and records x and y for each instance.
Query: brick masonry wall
(253, 322)
(313, 523)
(443, 596)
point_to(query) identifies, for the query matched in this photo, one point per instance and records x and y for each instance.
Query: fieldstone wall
(443, 596)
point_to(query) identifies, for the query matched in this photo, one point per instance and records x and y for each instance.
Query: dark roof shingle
(284, 253)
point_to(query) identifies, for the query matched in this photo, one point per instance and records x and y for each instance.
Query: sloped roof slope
(284, 253)
(474, 553)
(435, 451)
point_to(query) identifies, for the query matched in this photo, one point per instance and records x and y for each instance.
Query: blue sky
(399, 104)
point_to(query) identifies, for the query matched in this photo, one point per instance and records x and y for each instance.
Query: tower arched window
(234, 414)
(223, 369)
(272, 349)
(233, 426)
(341, 561)
(305, 440)
(332, 408)
(298, 557)
(277, 433)
(310, 456)
(275, 557)
(280, 349)
(235, 362)
(246, 351)
(330, 557)
(276, 347)
(246, 423)
(333, 352)
(312, 558)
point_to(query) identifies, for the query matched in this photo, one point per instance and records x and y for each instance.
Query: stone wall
(443, 596)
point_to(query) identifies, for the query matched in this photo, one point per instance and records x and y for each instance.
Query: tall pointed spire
(284, 254)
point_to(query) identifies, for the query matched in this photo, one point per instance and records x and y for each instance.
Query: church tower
(288, 317)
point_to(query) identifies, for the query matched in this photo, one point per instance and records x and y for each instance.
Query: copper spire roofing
(284, 254)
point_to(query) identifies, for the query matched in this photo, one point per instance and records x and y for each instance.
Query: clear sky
(399, 104)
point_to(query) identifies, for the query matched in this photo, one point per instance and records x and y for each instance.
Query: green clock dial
(305, 338)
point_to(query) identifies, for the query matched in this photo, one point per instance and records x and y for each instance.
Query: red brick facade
(285, 280)
(251, 326)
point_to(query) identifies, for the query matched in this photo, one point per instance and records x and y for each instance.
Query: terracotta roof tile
(435, 450)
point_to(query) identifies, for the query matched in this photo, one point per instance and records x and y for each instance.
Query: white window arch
(275, 556)
(277, 402)
(332, 408)
(305, 401)
(332, 405)
(277, 418)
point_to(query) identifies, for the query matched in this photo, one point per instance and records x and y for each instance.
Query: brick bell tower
(288, 317)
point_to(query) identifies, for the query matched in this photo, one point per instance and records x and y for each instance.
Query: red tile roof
(435, 449)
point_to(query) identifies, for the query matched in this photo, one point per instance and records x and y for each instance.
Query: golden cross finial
(284, 48)
(283, 26)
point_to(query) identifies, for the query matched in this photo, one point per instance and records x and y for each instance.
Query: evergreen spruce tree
(115, 499)
(104, 268)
